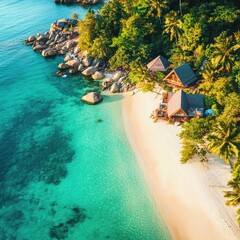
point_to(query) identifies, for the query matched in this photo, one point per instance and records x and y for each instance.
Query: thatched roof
(191, 104)
(158, 64)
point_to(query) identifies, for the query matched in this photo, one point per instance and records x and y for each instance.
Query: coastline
(189, 197)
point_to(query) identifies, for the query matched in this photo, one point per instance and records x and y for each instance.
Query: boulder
(63, 66)
(87, 61)
(114, 88)
(70, 44)
(76, 50)
(81, 67)
(67, 58)
(92, 98)
(97, 62)
(98, 75)
(118, 75)
(39, 47)
(31, 38)
(62, 23)
(107, 83)
(89, 71)
(49, 52)
(73, 71)
(42, 38)
(73, 64)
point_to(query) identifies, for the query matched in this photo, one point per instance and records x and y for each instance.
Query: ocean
(63, 174)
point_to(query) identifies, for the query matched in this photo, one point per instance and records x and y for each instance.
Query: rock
(118, 75)
(63, 66)
(73, 71)
(70, 44)
(76, 50)
(81, 67)
(67, 58)
(52, 35)
(31, 38)
(39, 47)
(87, 61)
(107, 83)
(98, 75)
(61, 74)
(114, 88)
(89, 71)
(42, 38)
(92, 98)
(97, 62)
(62, 23)
(73, 64)
(49, 52)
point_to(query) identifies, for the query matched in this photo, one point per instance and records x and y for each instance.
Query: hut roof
(158, 64)
(189, 103)
(185, 74)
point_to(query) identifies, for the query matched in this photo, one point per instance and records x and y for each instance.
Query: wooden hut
(182, 106)
(182, 76)
(158, 64)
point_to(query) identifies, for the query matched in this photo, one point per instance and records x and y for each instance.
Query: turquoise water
(62, 174)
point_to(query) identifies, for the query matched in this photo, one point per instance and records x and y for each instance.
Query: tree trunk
(180, 7)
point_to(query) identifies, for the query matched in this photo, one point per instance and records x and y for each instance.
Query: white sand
(189, 196)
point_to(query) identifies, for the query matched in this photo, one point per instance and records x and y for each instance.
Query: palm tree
(159, 6)
(223, 55)
(209, 73)
(173, 25)
(234, 194)
(225, 140)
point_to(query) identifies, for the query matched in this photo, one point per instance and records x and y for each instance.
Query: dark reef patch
(60, 231)
(32, 148)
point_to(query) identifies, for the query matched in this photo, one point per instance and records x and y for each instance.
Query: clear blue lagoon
(62, 174)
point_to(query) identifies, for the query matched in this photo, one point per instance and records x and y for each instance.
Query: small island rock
(114, 88)
(92, 98)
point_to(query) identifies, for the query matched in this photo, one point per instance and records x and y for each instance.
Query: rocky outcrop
(89, 71)
(98, 75)
(83, 2)
(92, 98)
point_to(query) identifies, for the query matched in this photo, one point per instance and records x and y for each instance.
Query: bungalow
(158, 64)
(182, 76)
(181, 106)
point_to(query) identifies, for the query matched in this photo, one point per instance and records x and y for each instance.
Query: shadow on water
(33, 148)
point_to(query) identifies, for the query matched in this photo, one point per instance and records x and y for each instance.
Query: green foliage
(234, 194)
(193, 136)
(224, 140)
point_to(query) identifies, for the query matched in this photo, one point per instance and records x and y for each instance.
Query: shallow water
(63, 175)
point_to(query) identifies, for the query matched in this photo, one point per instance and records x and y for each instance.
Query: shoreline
(189, 196)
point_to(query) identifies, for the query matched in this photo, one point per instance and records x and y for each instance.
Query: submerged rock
(39, 47)
(63, 66)
(92, 98)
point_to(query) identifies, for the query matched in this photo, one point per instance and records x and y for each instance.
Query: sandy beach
(188, 196)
